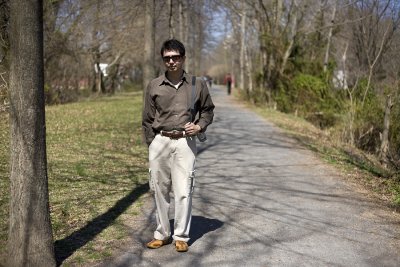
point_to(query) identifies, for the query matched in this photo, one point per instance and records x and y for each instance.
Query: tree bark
(288, 51)
(30, 240)
(383, 153)
(195, 36)
(180, 18)
(328, 44)
(170, 19)
(186, 41)
(98, 75)
(249, 71)
(148, 67)
(242, 46)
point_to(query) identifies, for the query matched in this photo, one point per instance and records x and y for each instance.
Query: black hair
(173, 45)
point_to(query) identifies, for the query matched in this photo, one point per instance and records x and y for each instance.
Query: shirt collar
(185, 78)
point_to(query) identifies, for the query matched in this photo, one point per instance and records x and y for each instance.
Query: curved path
(263, 200)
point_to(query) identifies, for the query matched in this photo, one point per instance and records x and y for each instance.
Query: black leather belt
(173, 134)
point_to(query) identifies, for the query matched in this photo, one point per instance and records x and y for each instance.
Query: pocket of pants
(191, 181)
(153, 141)
(151, 182)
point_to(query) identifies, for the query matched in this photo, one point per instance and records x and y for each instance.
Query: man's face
(173, 60)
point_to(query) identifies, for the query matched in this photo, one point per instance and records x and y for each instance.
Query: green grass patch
(97, 169)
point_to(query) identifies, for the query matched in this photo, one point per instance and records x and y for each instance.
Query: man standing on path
(170, 130)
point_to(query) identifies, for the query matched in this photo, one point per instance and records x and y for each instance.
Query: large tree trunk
(98, 76)
(148, 67)
(30, 240)
(98, 82)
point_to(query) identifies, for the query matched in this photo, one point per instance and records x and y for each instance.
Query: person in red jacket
(228, 82)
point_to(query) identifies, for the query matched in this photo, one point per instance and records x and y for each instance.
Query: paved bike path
(263, 200)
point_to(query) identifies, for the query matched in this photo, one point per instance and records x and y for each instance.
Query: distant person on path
(228, 82)
(170, 132)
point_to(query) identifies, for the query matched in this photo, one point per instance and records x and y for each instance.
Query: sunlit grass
(95, 158)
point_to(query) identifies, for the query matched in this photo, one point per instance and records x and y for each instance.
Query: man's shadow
(200, 226)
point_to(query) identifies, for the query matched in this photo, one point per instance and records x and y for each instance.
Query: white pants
(172, 163)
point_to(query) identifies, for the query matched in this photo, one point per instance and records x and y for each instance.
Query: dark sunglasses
(174, 58)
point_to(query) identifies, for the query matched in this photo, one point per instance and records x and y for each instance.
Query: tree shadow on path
(67, 246)
(200, 226)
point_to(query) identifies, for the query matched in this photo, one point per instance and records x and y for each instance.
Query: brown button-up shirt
(167, 108)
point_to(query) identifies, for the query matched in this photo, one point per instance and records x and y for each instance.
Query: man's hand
(192, 129)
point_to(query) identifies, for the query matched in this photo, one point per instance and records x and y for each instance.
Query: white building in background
(339, 80)
(103, 68)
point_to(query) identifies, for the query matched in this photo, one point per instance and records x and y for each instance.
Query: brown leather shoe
(155, 243)
(181, 246)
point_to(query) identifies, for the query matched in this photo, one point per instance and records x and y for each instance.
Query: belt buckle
(174, 133)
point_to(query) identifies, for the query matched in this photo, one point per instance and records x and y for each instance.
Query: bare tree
(4, 47)
(181, 19)
(187, 22)
(171, 19)
(278, 24)
(249, 70)
(375, 23)
(97, 35)
(384, 149)
(242, 44)
(291, 36)
(329, 38)
(30, 240)
(149, 35)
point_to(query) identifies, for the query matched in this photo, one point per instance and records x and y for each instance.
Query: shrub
(310, 97)
(394, 130)
(59, 94)
(369, 116)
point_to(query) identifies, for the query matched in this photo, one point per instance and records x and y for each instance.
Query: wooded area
(332, 62)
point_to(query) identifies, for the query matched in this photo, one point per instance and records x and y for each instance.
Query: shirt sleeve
(206, 109)
(148, 115)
